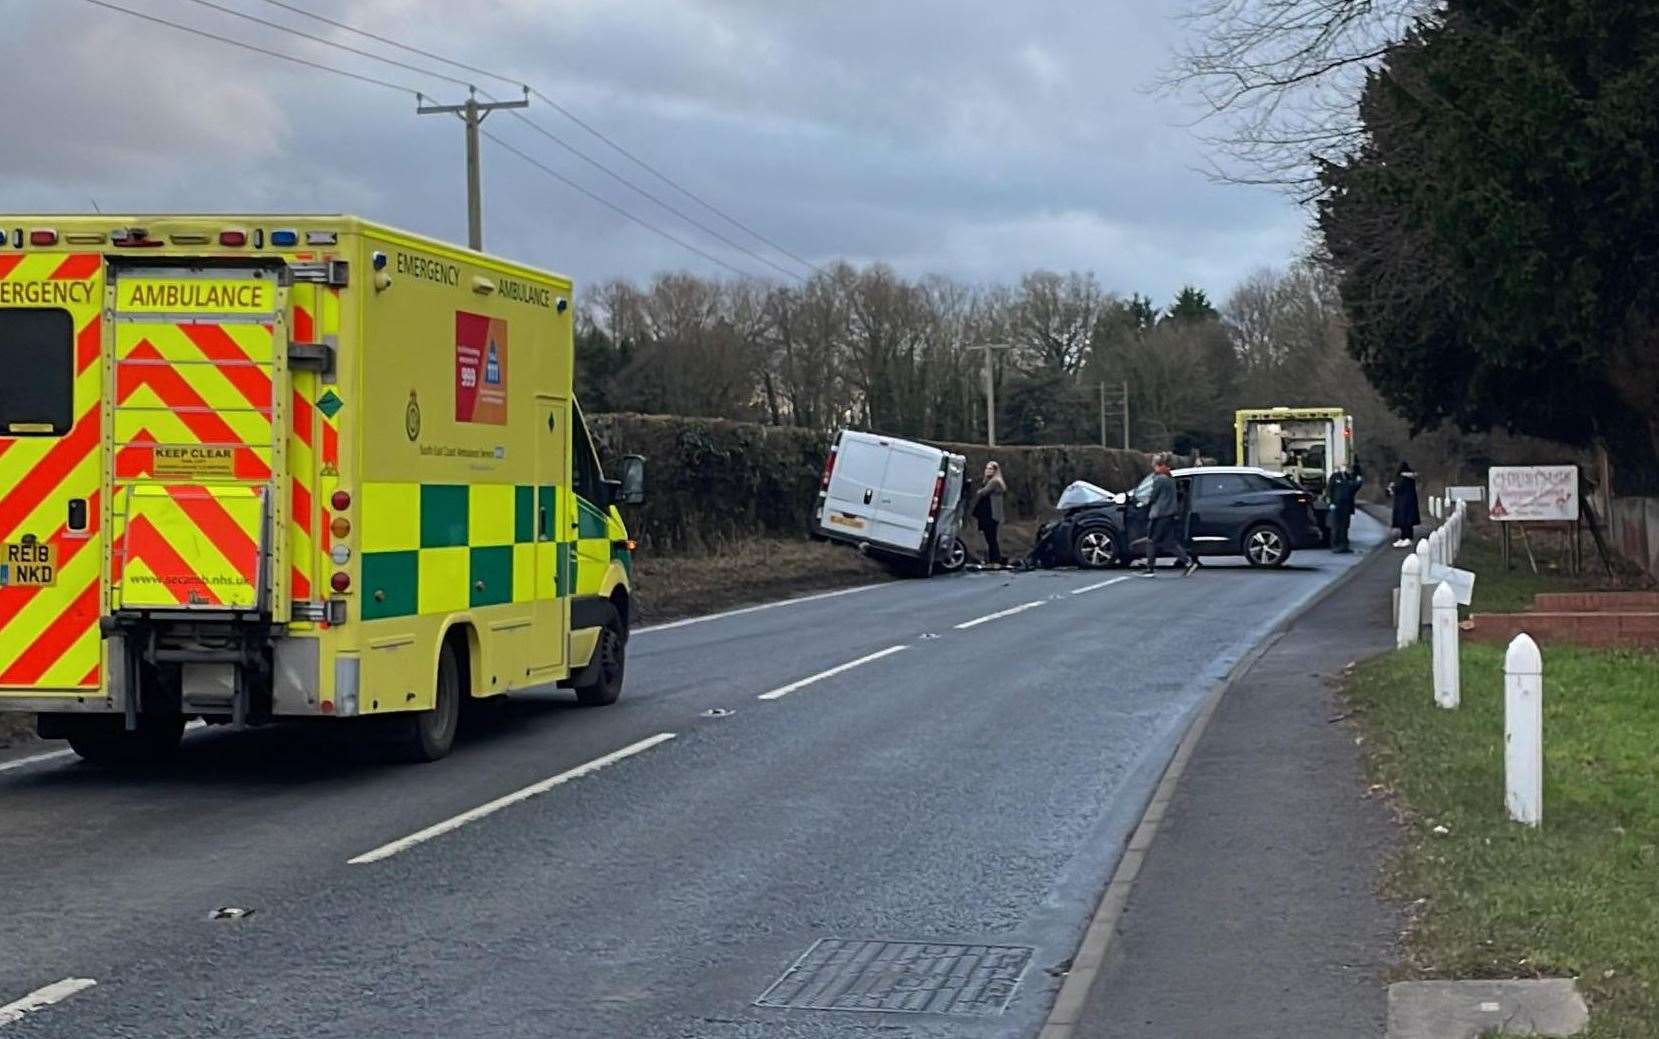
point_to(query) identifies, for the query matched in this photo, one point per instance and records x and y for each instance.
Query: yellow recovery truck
(257, 468)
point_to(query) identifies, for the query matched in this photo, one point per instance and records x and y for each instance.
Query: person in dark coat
(1404, 492)
(1343, 490)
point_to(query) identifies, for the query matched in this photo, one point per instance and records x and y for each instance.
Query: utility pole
(472, 113)
(1126, 414)
(1118, 404)
(991, 390)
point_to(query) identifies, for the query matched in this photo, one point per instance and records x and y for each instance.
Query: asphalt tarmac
(875, 776)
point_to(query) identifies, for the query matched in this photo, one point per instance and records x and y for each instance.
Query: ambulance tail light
(341, 500)
(340, 582)
(42, 236)
(340, 527)
(829, 470)
(233, 239)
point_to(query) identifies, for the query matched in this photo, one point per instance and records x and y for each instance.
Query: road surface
(877, 776)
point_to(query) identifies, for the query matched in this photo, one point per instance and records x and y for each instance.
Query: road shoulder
(1253, 909)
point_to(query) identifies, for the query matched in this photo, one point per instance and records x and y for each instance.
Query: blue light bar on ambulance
(284, 239)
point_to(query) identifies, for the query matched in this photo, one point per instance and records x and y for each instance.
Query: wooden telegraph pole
(472, 113)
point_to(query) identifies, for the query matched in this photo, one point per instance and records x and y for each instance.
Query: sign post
(1535, 494)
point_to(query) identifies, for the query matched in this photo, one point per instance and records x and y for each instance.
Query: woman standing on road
(988, 511)
(1404, 492)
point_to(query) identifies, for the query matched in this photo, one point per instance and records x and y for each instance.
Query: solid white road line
(55, 755)
(999, 615)
(820, 676)
(7, 766)
(40, 998)
(1098, 586)
(490, 807)
(763, 606)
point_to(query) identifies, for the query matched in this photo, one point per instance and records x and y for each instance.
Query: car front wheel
(1266, 546)
(1094, 548)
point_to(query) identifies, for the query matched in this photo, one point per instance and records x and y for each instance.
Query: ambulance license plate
(28, 564)
(854, 522)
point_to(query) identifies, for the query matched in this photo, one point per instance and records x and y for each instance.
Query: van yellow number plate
(855, 522)
(29, 564)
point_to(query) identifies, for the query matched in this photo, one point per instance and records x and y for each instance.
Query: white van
(895, 499)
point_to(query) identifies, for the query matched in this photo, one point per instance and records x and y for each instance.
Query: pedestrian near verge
(1404, 492)
(1343, 490)
(987, 511)
(1163, 509)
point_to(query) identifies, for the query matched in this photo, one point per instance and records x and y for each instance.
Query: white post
(1446, 677)
(1425, 559)
(1411, 601)
(1437, 546)
(1523, 731)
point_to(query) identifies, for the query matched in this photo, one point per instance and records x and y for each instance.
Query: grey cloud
(973, 138)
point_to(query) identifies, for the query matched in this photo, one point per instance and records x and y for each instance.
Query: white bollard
(1425, 560)
(1446, 677)
(1523, 731)
(1437, 546)
(1411, 601)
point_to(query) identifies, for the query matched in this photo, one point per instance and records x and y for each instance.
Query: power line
(561, 178)
(568, 114)
(319, 66)
(327, 42)
(620, 179)
(257, 49)
(532, 124)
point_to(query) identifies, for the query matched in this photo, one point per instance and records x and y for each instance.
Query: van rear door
(904, 504)
(849, 508)
(198, 428)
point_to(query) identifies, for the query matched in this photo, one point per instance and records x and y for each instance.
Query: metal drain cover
(901, 977)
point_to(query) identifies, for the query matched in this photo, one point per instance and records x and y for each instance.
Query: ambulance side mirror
(631, 490)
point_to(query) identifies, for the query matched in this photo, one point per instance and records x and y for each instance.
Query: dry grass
(751, 571)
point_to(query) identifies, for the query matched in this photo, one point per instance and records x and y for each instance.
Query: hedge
(713, 481)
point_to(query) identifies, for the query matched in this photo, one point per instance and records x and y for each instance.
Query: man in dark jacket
(1163, 509)
(1343, 490)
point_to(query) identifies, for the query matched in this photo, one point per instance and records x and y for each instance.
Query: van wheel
(1094, 548)
(104, 740)
(954, 557)
(603, 678)
(432, 733)
(1266, 545)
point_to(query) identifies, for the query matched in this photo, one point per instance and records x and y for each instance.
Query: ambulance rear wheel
(603, 679)
(104, 740)
(432, 733)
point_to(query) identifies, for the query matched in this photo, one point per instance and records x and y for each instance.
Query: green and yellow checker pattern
(444, 548)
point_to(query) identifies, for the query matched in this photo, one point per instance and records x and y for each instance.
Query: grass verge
(1579, 896)
(748, 572)
(1498, 590)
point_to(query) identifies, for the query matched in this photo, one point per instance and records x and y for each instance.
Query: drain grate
(901, 977)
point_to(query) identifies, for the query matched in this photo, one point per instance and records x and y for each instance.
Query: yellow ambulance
(272, 467)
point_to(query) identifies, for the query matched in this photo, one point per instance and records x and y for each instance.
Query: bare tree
(1054, 316)
(1281, 79)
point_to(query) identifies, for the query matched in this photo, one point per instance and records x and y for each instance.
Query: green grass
(1498, 590)
(1579, 896)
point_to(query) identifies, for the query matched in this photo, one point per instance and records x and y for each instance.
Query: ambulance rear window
(37, 372)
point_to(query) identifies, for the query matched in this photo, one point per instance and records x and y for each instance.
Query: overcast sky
(976, 138)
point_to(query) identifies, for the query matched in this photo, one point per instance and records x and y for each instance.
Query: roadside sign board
(1532, 493)
(1462, 582)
